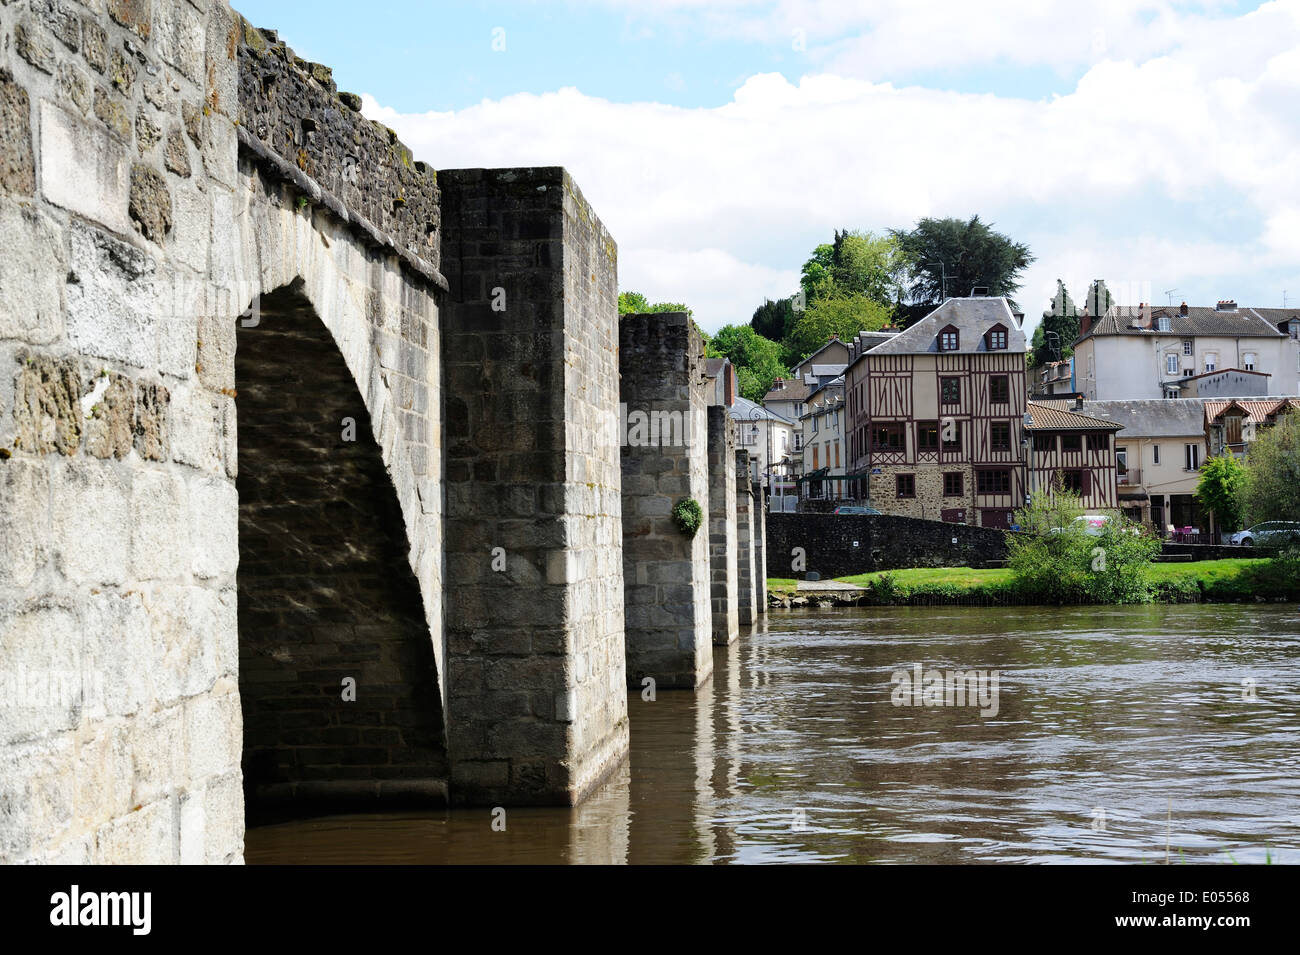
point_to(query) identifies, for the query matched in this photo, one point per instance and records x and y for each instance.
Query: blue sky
(721, 141)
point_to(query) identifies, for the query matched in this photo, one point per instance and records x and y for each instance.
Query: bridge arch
(335, 370)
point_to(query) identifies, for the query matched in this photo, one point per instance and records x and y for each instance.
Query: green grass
(1233, 579)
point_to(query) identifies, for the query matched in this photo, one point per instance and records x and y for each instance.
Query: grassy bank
(1236, 579)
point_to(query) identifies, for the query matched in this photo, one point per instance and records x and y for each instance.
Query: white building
(769, 439)
(824, 455)
(1179, 351)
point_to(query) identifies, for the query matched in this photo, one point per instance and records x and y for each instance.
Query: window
(816, 465)
(999, 389)
(837, 454)
(993, 482)
(1000, 435)
(1073, 481)
(951, 435)
(1295, 330)
(951, 391)
(997, 338)
(1162, 324)
(887, 436)
(1121, 461)
(1098, 442)
(927, 436)
(905, 485)
(953, 484)
(948, 339)
(1248, 360)
(1171, 364)
(1192, 457)
(1044, 442)
(1155, 454)
(814, 424)
(1211, 360)
(1187, 348)
(1071, 442)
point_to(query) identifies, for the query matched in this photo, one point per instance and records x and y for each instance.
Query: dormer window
(948, 339)
(1162, 323)
(997, 338)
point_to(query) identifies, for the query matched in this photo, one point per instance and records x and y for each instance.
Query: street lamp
(1027, 443)
(754, 417)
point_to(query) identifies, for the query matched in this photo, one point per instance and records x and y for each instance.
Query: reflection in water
(1107, 717)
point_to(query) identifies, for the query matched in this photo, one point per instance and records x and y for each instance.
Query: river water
(1121, 734)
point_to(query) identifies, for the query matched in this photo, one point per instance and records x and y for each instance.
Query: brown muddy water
(1118, 731)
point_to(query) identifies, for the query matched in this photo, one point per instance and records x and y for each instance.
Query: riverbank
(1235, 580)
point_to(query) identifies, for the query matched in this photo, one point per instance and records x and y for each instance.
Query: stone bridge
(313, 485)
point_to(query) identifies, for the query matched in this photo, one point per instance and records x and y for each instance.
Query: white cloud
(718, 206)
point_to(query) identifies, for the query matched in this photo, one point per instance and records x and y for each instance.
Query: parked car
(855, 509)
(1268, 533)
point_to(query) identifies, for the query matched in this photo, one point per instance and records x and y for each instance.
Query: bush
(688, 516)
(1057, 561)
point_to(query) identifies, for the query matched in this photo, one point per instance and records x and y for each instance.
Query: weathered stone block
(17, 162)
(178, 32)
(110, 417)
(152, 405)
(35, 45)
(135, 15)
(160, 516)
(47, 411)
(150, 203)
(32, 271)
(24, 516)
(112, 112)
(91, 526)
(214, 506)
(83, 168)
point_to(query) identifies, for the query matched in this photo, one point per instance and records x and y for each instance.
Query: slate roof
(713, 366)
(1199, 320)
(794, 390)
(1145, 417)
(746, 410)
(972, 317)
(1047, 418)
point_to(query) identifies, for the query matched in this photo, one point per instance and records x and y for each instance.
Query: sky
(1152, 143)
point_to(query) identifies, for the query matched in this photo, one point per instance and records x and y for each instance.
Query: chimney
(1078, 403)
(1085, 323)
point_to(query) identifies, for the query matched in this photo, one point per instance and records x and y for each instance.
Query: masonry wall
(760, 547)
(118, 545)
(535, 656)
(724, 567)
(747, 577)
(837, 545)
(664, 461)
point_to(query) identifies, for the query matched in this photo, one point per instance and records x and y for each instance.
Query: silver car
(1269, 533)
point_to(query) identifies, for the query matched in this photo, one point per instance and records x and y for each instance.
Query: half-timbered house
(1072, 451)
(937, 415)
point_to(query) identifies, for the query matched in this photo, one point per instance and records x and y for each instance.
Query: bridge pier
(723, 556)
(664, 461)
(746, 577)
(760, 548)
(536, 675)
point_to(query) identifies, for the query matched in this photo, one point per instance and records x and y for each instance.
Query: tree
(950, 257)
(773, 320)
(1062, 319)
(1271, 488)
(1056, 560)
(840, 315)
(854, 263)
(757, 359)
(1220, 490)
(634, 303)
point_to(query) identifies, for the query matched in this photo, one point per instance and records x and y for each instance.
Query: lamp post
(754, 417)
(1027, 442)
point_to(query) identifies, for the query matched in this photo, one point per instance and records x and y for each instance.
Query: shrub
(688, 516)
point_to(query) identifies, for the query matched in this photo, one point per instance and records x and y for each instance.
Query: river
(1122, 734)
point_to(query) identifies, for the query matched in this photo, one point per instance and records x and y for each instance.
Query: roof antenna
(1169, 293)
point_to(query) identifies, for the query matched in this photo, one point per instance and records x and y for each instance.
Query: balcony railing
(1130, 478)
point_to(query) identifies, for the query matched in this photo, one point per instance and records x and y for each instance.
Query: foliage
(971, 253)
(757, 360)
(1056, 560)
(1220, 489)
(773, 320)
(854, 263)
(688, 516)
(634, 303)
(842, 315)
(1270, 490)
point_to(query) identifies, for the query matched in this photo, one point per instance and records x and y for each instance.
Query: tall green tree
(854, 263)
(841, 315)
(773, 320)
(757, 359)
(1062, 319)
(953, 256)
(1271, 489)
(1220, 489)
